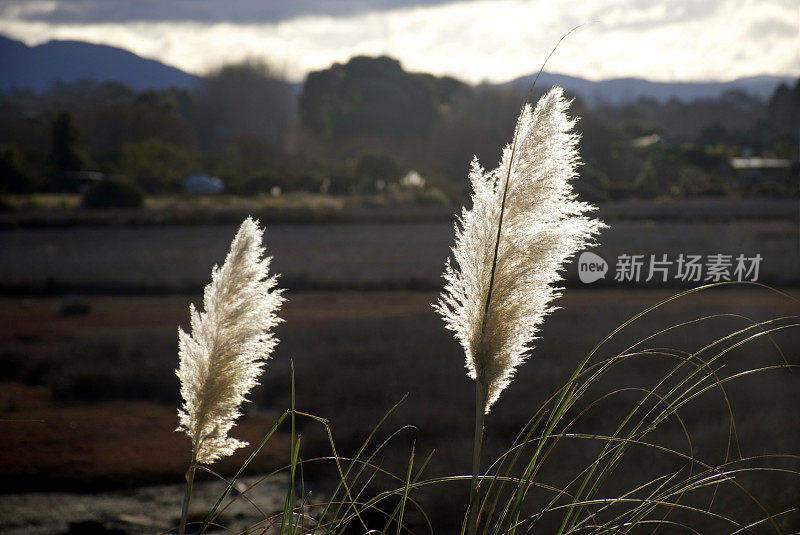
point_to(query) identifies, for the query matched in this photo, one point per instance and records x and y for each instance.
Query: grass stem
(187, 498)
(474, 491)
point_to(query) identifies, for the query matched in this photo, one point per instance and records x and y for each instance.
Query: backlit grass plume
(223, 356)
(525, 222)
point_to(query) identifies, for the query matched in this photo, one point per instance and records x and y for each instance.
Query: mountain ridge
(38, 67)
(616, 91)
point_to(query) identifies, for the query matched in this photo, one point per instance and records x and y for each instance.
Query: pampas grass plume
(224, 354)
(525, 222)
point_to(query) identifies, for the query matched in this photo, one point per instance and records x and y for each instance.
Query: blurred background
(136, 136)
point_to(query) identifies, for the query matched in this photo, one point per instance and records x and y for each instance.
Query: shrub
(13, 177)
(433, 196)
(113, 193)
(371, 168)
(157, 166)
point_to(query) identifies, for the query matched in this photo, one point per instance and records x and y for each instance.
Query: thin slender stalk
(288, 508)
(508, 176)
(188, 496)
(480, 390)
(405, 492)
(474, 491)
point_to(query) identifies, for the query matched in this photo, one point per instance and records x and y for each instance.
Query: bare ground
(141, 510)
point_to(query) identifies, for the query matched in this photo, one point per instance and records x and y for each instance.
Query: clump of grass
(670, 500)
(222, 358)
(525, 222)
(527, 489)
(678, 489)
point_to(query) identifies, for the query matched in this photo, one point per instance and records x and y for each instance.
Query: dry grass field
(85, 395)
(178, 258)
(88, 349)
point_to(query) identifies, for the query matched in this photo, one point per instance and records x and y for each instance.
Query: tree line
(355, 128)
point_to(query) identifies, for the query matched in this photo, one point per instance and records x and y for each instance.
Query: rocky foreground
(153, 509)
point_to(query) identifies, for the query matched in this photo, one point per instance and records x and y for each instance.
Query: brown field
(109, 444)
(85, 395)
(178, 258)
(88, 349)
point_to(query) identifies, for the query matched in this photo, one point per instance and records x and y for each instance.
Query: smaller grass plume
(224, 354)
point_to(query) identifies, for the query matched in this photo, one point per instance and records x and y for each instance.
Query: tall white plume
(495, 306)
(222, 358)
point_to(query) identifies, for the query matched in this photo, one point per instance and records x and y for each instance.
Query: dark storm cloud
(639, 14)
(207, 11)
(778, 28)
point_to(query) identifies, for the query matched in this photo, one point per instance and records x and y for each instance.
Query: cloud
(772, 28)
(207, 11)
(642, 15)
(494, 40)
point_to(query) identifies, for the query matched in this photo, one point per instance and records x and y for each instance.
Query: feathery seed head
(222, 357)
(525, 222)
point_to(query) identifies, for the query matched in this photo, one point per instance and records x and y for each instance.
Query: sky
(473, 40)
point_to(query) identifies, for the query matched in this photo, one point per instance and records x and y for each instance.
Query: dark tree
(64, 154)
(248, 99)
(372, 97)
(371, 168)
(783, 108)
(13, 177)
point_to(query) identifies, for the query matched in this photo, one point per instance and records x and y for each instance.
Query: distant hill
(38, 67)
(623, 90)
